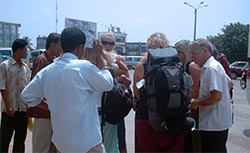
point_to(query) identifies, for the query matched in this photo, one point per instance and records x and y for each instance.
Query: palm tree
(30, 44)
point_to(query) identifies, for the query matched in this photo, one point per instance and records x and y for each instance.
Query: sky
(137, 18)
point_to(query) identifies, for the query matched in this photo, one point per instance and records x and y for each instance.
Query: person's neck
(205, 60)
(17, 59)
(50, 54)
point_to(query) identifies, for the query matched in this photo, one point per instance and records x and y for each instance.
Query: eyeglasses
(198, 50)
(194, 51)
(106, 43)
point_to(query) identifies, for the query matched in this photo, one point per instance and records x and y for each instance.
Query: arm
(122, 72)
(195, 74)
(123, 69)
(32, 94)
(37, 66)
(99, 80)
(138, 75)
(8, 109)
(39, 63)
(97, 48)
(214, 84)
(214, 97)
(3, 86)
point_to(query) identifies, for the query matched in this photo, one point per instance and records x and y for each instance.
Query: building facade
(41, 42)
(135, 48)
(8, 33)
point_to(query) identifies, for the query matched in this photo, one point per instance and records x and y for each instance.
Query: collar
(13, 61)
(69, 55)
(50, 59)
(209, 60)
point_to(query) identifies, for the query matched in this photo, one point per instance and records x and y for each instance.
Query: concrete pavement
(239, 134)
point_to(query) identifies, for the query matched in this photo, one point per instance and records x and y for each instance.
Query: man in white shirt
(69, 85)
(214, 99)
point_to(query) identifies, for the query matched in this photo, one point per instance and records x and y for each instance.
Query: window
(118, 40)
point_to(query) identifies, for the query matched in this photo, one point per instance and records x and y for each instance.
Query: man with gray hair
(214, 99)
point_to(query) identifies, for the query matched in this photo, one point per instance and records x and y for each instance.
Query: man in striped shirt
(14, 76)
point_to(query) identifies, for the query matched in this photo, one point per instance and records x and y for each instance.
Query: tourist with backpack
(117, 63)
(113, 126)
(215, 114)
(153, 133)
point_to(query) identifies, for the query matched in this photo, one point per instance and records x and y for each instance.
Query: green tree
(233, 41)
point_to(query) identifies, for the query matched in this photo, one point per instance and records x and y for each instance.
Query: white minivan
(8, 52)
(131, 61)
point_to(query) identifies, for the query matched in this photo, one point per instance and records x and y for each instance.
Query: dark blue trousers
(18, 123)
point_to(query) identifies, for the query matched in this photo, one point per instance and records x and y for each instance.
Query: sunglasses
(106, 43)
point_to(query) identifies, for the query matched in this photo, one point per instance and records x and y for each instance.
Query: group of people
(210, 101)
(63, 95)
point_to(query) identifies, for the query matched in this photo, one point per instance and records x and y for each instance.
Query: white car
(3, 58)
(131, 61)
(8, 52)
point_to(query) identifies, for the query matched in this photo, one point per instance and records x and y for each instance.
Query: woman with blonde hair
(148, 140)
(183, 47)
(113, 135)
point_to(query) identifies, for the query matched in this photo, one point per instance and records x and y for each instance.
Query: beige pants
(98, 149)
(41, 137)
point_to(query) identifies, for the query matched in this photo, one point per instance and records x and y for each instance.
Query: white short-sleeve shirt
(216, 117)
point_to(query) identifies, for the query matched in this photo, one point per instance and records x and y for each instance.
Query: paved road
(239, 134)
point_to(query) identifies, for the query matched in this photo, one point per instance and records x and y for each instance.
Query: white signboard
(88, 28)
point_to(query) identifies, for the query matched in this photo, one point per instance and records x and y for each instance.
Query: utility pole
(200, 5)
(56, 16)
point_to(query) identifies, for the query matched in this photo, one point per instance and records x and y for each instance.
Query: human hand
(10, 112)
(97, 48)
(124, 79)
(194, 104)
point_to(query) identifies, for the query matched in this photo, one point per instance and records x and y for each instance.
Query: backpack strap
(187, 67)
(104, 98)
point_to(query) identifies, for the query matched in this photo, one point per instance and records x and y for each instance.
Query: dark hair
(71, 38)
(52, 38)
(216, 53)
(19, 43)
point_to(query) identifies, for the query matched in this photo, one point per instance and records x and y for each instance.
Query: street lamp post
(195, 13)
